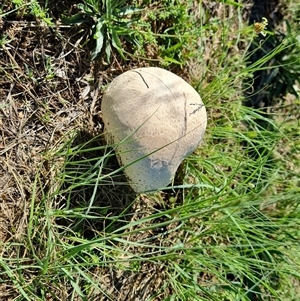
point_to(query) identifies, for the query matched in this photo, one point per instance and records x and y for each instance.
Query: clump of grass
(110, 21)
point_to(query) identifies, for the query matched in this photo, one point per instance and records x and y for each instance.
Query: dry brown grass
(41, 99)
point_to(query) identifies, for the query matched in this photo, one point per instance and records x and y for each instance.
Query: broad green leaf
(99, 37)
(128, 10)
(117, 43)
(171, 60)
(108, 12)
(174, 47)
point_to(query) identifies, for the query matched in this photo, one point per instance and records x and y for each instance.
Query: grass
(228, 226)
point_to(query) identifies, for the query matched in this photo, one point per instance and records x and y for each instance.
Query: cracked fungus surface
(157, 119)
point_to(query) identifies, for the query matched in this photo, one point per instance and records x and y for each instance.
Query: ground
(50, 88)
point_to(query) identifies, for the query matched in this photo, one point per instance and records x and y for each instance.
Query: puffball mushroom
(155, 119)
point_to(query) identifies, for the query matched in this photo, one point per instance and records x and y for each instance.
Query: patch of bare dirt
(42, 97)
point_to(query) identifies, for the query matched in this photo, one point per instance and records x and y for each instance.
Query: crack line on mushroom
(197, 109)
(142, 78)
(185, 113)
(159, 79)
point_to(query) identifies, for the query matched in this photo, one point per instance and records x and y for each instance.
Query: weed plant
(226, 229)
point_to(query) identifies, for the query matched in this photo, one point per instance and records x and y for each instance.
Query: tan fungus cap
(157, 119)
